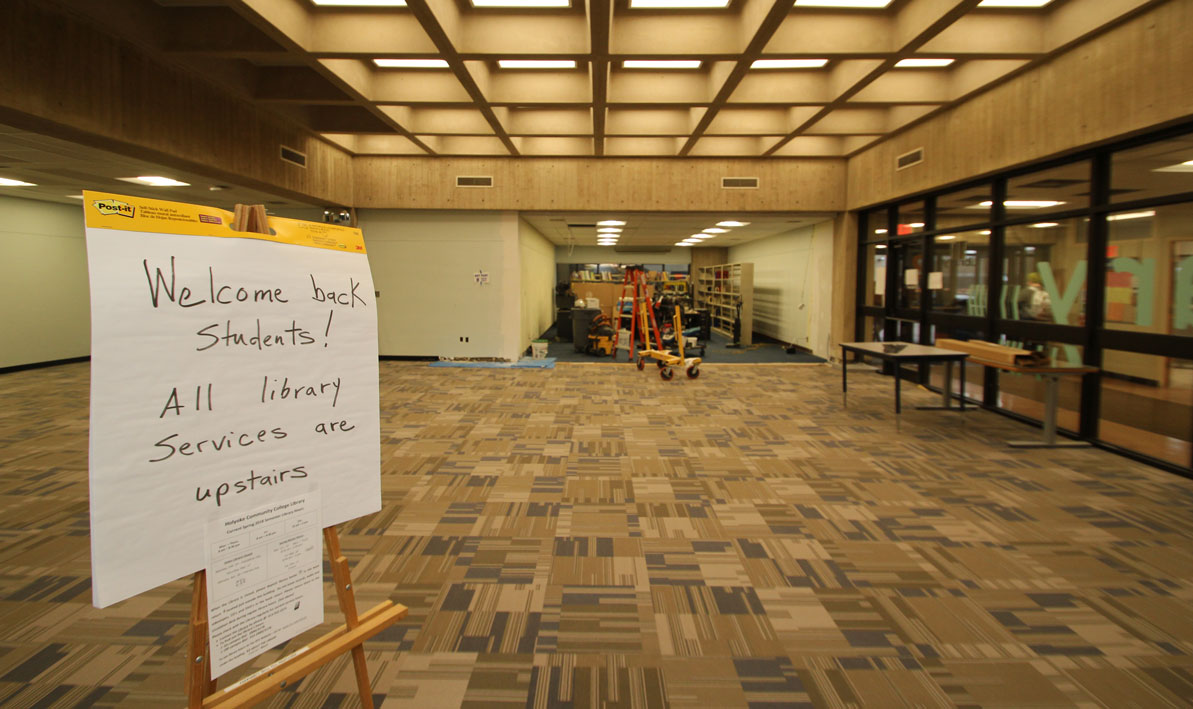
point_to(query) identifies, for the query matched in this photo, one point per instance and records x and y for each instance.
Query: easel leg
(199, 684)
(343, 582)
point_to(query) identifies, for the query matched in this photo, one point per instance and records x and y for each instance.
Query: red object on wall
(1112, 251)
(902, 229)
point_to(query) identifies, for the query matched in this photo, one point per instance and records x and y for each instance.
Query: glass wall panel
(964, 207)
(1056, 189)
(1149, 270)
(973, 374)
(1044, 269)
(906, 258)
(876, 225)
(960, 268)
(875, 289)
(872, 329)
(1154, 170)
(1024, 393)
(911, 218)
(1150, 414)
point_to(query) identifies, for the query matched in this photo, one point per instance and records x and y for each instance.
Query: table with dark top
(899, 353)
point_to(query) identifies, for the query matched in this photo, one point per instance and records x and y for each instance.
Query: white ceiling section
(318, 62)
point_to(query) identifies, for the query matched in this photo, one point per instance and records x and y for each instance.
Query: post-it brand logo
(114, 207)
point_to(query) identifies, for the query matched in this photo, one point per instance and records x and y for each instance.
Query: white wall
(43, 282)
(793, 285)
(423, 265)
(606, 254)
(537, 260)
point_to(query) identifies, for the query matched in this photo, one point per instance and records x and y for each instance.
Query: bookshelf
(718, 288)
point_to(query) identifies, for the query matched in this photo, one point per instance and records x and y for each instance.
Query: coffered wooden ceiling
(317, 64)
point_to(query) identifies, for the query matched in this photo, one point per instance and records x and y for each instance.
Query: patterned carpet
(593, 536)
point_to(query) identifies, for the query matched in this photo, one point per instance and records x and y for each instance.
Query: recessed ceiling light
(536, 63)
(609, 230)
(610, 222)
(74, 196)
(677, 4)
(715, 230)
(1044, 225)
(788, 63)
(880, 246)
(360, 3)
(682, 243)
(661, 64)
(521, 3)
(732, 223)
(923, 63)
(880, 231)
(411, 63)
(843, 3)
(916, 225)
(1131, 215)
(971, 252)
(984, 232)
(155, 181)
(1013, 3)
(1024, 203)
(1186, 166)
(7, 182)
(700, 237)
(946, 237)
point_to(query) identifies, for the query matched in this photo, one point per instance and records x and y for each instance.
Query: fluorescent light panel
(411, 63)
(870, 4)
(788, 63)
(946, 237)
(661, 64)
(360, 3)
(923, 63)
(1013, 3)
(8, 182)
(677, 4)
(536, 63)
(715, 230)
(1131, 215)
(610, 222)
(1024, 203)
(155, 181)
(1044, 225)
(732, 223)
(521, 3)
(880, 231)
(682, 243)
(609, 230)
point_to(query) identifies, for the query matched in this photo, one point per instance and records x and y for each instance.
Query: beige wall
(536, 260)
(43, 282)
(1130, 79)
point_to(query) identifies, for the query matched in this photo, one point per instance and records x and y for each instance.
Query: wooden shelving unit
(718, 288)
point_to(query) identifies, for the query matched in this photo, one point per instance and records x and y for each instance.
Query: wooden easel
(201, 690)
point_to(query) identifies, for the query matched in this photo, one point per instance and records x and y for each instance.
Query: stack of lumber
(990, 352)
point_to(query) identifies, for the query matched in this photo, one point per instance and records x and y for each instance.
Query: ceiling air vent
(739, 183)
(294, 157)
(462, 181)
(915, 157)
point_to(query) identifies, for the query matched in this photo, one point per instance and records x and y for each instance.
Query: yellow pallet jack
(667, 361)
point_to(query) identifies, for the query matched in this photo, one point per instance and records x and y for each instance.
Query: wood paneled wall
(639, 184)
(1132, 78)
(62, 77)
(705, 256)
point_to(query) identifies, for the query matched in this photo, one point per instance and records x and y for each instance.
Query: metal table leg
(1051, 401)
(946, 391)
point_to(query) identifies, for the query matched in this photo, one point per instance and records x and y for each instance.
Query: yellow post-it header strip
(112, 211)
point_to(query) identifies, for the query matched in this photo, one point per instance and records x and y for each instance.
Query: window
(911, 219)
(1149, 270)
(1147, 404)
(1044, 269)
(1055, 189)
(876, 225)
(1154, 170)
(875, 287)
(964, 207)
(960, 264)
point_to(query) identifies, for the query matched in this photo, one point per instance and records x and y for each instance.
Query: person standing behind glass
(1034, 301)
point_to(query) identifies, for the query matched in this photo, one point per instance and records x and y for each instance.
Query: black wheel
(693, 372)
(641, 364)
(666, 373)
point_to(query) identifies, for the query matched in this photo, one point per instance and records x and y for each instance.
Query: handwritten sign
(228, 371)
(264, 579)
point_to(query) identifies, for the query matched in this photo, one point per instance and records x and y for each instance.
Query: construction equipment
(600, 337)
(667, 361)
(634, 282)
